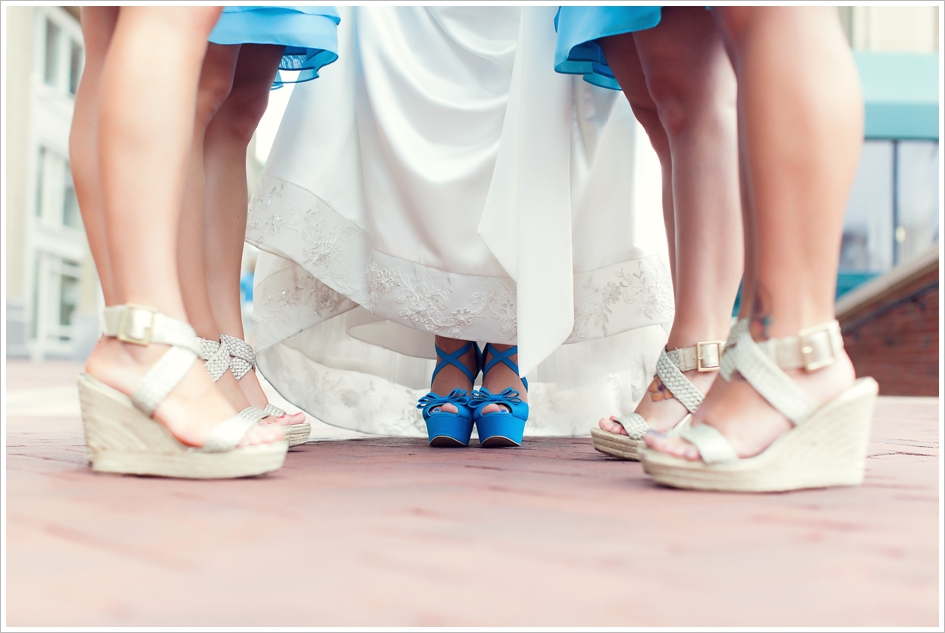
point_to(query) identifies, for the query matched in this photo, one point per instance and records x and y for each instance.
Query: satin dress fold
(441, 178)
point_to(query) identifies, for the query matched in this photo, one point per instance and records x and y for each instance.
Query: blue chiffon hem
(309, 34)
(579, 27)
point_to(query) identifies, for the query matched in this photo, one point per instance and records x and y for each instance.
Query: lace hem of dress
(350, 384)
(335, 269)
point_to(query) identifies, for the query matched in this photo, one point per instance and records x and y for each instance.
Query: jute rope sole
(628, 448)
(297, 434)
(122, 439)
(829, 449)
(616, 445)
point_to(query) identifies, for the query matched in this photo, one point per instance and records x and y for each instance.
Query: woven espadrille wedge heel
(241, 360)
(706, 356)
(120, 434)
(826, 447)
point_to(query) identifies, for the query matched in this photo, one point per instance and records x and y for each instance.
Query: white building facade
(52, 289)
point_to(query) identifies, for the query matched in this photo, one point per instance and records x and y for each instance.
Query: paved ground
(390, 532)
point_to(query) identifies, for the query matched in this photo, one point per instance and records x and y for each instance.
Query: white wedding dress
(441, 178)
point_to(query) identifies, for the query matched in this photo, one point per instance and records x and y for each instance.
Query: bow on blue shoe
(431, 401)
(500, 428)
(445, 428)
(484, 397)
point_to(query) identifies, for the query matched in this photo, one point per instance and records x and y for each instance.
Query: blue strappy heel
(502, 428)
(450, 429)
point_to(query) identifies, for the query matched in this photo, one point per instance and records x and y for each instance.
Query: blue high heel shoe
(443, 428)
(501, 428)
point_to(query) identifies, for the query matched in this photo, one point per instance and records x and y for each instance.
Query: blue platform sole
(449, 429)
(500, 429)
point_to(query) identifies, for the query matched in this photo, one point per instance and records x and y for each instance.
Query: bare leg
(689, 80)
(451, 377)
(145, 121)
(621, 52)
(227, 137)
(216, 80)
(98, 23)
(499, 378)
(801, 118)
(624, 59)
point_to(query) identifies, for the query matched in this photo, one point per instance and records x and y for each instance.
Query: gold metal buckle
(808, 350)
(127, 334)
(720, 345)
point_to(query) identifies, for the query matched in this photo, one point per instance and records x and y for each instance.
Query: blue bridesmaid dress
(309, 34)
(579, 27)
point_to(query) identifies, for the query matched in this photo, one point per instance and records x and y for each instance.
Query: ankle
(109, 350)
(682, 340)
(449, 345)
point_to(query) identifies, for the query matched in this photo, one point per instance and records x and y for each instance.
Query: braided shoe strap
(144, 325)
(764, 375)
(227, 434)
(241, 354)
(273, 410)
(677, 383)
(252, 413)
(730, 354)
(712, 445)
(218, 360)
(634, 424)
(162, 378)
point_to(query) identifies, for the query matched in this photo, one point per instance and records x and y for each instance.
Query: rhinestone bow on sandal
(217, 363)
(241, 360)
(120, 434)
(826, 446)
(704, 357)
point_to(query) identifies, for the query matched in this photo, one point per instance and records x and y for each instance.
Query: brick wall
(894, 335)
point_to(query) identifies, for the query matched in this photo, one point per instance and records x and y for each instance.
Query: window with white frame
(61, 55)
(56, 202)
(57, 291)
(892, 213)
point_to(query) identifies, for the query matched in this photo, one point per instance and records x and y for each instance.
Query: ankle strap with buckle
(143, 325)
(811, 349)
(763, 363)
(704, 357)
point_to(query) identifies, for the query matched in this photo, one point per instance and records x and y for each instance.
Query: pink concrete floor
(376, 532)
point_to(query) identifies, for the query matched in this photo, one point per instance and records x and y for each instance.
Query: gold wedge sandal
(826, 447)
(120, 434)
(242, 359)
(705, 356)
